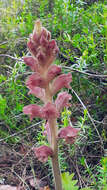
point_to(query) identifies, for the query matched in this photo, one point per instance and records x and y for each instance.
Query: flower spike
(44, 83)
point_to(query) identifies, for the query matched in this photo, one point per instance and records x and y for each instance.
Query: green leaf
(3, 105)
(2, 78)
(3, 46)
(67, 182)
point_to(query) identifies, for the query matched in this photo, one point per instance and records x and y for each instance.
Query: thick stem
(48, 96)
(55, 162)
(56, 170)
(54, 146)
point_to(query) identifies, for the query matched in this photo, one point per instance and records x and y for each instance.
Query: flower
(49, 111)
(62, 100)
(30, 61)
(38, 92)
(53, 71)
(42, 153)
(60, 82)
(69, 134)
(33, 110)
(35, 80)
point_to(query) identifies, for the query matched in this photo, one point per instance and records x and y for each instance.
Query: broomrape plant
(44, 83)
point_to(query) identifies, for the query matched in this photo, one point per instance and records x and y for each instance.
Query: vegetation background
(80, 29)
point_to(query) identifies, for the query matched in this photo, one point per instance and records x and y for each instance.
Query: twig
(80, 178)
(16, 116)
(65, 67)
(5, 55)
(4, 82)
(82, 72)
(8, 66)
(99, 122)
(26, 154)
(23, 181)
(34, 176)
(93, 142)
(15, 134)
(91, 119)
(3, 43)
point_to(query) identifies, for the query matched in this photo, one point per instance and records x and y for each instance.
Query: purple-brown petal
(43, 41)
(52, 48)
(52, 44)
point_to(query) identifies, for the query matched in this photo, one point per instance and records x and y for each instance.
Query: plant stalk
(54, 146)
(56, 171)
